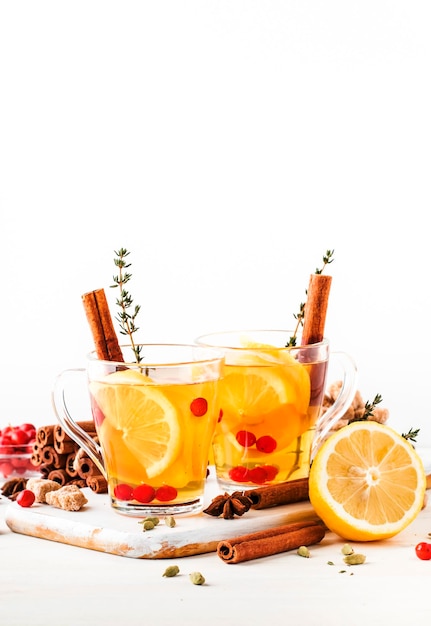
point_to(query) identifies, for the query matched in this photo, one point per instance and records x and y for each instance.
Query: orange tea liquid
(155, 437)
(270, 403)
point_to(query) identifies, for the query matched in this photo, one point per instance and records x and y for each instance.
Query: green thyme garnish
(327, 259)
(125, 318)
(411, 435)
(369, 409)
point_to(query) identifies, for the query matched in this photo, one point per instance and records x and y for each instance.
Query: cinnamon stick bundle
(59, 461)
(272, 541)
(316, 308)
(101, 326)
(277, 495)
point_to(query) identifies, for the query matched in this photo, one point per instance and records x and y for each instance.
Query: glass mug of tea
(272, 420)
(154, 421)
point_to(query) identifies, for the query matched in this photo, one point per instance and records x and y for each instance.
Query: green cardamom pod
(354, 559)
(197, 578)
(170, 571)
(347, 549)
(303, 551)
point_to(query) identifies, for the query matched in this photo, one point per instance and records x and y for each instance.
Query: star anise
(229, 505)
(12, 487)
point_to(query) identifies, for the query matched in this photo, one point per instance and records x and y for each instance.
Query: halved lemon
(141, 414)
(367, 482)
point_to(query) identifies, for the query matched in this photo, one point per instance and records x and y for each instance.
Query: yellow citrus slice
(251, 394)
(120, 463)
(367, 482)
(145, 418)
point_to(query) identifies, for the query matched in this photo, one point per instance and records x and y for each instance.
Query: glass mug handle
(67, 422)
(331, 415)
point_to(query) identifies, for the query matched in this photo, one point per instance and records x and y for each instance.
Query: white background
(227, 145)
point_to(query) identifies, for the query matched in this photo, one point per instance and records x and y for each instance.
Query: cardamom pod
(171, 571)
(354, 559)
(197, 578)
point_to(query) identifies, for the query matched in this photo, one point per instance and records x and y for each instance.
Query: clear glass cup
(271, 395)
(155, 421)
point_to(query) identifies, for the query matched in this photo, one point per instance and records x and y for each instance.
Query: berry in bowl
(16, 450)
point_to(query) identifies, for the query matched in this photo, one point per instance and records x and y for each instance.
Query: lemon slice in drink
(367, 482)
(260, 382)
(146, 420)
(250, 395)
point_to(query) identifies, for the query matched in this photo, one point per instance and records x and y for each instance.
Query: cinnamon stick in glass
(316, 308)
(271, 541)
(277, 495)
(101, 326)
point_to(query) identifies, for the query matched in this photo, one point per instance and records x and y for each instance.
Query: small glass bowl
(15, 462)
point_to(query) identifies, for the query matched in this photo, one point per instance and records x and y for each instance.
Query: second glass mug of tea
(272, 421)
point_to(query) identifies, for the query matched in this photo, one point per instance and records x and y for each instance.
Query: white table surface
(44, 583)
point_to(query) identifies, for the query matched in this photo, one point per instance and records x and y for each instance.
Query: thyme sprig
(126, 319)
(411, 435)
(369, 412)
(327, 259)
(368, 409)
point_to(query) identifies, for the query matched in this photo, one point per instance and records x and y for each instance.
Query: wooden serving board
(98, 527)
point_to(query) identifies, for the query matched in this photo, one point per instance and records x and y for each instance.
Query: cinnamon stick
(101, 326)
(79, 482)
(277, 495)
(51, 457)
(61, 435)
(86, 467)
(64, 444)
(97, 483)
(45, 435)
(64, 447)
(271, 541)
(60, 476)
(70, 464)
(316, 308)
(44, 471)
(35, 458)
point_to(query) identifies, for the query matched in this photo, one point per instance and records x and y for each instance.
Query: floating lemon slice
(367, 482)
(261, 379)
(250, 395)
(143, 417)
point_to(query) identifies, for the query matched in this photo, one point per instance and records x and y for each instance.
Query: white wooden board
(98, 527)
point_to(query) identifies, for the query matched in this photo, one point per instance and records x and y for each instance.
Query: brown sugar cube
(41, 487)
(69, 498)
